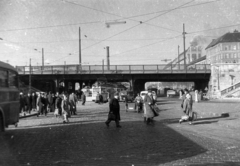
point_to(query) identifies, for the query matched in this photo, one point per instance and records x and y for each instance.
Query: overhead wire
(93, 22)
(133, 27)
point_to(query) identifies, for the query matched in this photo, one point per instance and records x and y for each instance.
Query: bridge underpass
(48, 78)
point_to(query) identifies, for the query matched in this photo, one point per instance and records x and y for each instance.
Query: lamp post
(30, 81)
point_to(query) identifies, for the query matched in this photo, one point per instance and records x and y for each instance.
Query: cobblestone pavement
(86, 141)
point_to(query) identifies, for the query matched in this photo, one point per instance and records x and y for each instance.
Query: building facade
(223, 54)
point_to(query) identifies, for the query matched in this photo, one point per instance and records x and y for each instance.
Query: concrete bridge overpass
(48, 77)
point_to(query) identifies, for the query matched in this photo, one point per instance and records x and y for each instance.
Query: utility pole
(30, 76)
(178, 59)
(184, 53)
(80, 54)
(108, 61)
(42, 57)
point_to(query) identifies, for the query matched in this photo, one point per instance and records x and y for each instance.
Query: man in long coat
(186, 105)
(148, 103)
(114, 108)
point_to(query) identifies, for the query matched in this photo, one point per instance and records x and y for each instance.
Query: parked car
(171, 93)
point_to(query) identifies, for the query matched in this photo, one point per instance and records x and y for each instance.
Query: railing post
(116, 68)
(130, 69)
(24, 70)
(195, 68)
(89, 69)
(52, 69)
(143, 69)
(171, 68)
(205, 67)
(103, 69)
(42, 69)
(64, 69)
(157, 69)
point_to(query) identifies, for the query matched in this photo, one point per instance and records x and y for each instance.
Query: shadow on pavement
(218, 164)
(95, 144)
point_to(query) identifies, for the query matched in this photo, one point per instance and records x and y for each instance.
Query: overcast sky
(152, 32)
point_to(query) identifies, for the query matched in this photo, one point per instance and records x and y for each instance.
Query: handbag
(111, 116)
(56, 112)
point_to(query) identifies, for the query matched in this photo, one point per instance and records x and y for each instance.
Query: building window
(235, 55)
(3, 78)
(234, 47)
(12, 79)
(225, 47)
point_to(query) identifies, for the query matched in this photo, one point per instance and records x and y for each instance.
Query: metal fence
(112, 69)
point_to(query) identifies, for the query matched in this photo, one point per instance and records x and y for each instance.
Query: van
(143, 93)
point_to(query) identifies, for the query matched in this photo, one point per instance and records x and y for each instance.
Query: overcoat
(114, 107)
(34, 100)
(148, 103)
(187, 105)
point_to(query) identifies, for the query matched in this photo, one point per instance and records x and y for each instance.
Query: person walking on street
(148, 111)
(126, 103)
(114, 111)
(58, 107)
(72, 102)
(29, 102)
(34, 102)
(138, 101)
(22, 103)
(83, 98)
(65, 110)
(186, 105)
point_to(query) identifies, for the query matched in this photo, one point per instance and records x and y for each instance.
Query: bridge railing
(112, 69)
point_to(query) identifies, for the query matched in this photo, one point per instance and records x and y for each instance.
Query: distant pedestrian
(50, 102)
(34, 102)
(148, 110)
(38, 103)
(22, 103)
(186, 105)
(73, 103)
(114, 111)
(83, 98)
(100, 98)
(58, 107)
(126, 103)
(65, 110)
(29, 102)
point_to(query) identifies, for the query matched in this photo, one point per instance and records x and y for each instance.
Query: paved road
(87, 141)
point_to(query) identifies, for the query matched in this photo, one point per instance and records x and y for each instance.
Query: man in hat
(114, 111)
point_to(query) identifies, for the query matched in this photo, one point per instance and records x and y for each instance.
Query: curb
(26, 116)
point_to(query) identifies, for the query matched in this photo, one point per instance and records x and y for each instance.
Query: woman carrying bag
(114, 111)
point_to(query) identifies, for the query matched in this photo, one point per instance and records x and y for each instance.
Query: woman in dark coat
(34, 102)
(114, 108)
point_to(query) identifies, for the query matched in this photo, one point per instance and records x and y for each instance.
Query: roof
(7, 66)
(228, 37)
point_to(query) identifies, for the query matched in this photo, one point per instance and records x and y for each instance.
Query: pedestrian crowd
(63, 104)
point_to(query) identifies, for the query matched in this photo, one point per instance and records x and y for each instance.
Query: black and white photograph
(120, 82)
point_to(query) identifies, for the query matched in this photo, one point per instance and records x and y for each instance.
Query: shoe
(64, 122)
(118, 126)
(107, 124)
(180, 121)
